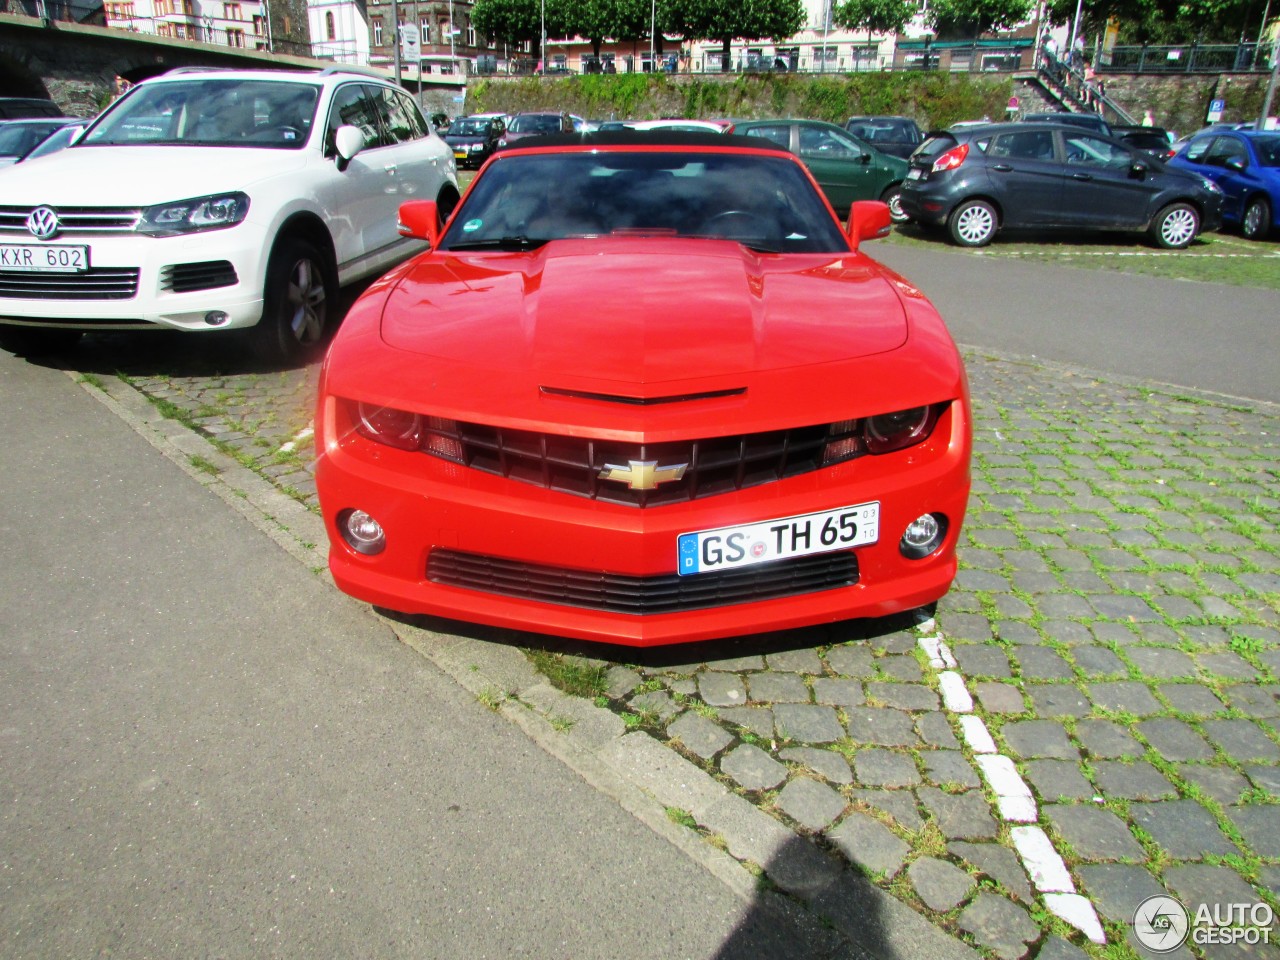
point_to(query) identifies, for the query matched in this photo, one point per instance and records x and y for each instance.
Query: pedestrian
(1147, 119)
(1077, 52)
(1049, 47)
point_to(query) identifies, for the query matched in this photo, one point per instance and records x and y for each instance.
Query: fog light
(216, 318)
(362, 533)
(923, 535)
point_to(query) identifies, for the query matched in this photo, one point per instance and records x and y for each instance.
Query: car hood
(593, 314)
(139, 176)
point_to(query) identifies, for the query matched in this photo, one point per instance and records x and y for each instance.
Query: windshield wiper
(519, 242)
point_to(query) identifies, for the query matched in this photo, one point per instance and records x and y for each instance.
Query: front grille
(713, 466)
(74, 221)
(96, 283)
(189, 277)
(643, 595)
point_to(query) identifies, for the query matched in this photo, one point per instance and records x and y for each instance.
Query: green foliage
(933, 98)
(878, 16)
(972, 18)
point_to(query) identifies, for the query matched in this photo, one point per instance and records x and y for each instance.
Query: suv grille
(573, 464)
(643, 595)
(75, 221)
(96, 283)
(188, 277)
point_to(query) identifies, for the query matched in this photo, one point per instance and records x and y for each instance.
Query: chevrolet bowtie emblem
(643, 474)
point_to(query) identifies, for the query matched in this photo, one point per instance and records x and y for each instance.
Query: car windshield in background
(894, 131)
(765, 203)
(535, 123)
(469, 128)
(17, 138)
(210, 112)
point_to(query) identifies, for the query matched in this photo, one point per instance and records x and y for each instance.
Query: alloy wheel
(305, 301)
(1179, 227)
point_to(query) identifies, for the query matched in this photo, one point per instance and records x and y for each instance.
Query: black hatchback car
(978, 180)
(473, 139)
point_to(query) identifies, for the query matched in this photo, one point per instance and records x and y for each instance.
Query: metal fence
(1189, 58)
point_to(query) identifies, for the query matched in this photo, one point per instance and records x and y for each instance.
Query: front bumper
(426, 505)
(69, 301)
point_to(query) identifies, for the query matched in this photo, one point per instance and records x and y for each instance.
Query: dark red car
(644, 389)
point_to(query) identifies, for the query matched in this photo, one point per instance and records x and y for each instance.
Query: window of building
(232, 11)
(330, 26)
(377, 31)
(235, 37)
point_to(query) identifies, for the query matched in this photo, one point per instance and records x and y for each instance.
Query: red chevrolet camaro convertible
(644, 389)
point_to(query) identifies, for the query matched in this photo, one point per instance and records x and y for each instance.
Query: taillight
(883, 433)
(409, 431)
(951, 159)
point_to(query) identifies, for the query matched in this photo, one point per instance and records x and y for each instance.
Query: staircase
(1066, 90)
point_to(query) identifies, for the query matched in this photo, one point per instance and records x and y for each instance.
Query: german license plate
(50, 258)
(769, 540)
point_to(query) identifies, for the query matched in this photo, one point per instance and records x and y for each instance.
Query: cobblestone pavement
(1091, 717)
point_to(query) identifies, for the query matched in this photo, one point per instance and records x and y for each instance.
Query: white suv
(207, 200)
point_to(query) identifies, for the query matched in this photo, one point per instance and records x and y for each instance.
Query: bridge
(76, 65)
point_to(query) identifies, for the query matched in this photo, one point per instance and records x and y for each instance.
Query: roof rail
(361, 71)
(175, 70)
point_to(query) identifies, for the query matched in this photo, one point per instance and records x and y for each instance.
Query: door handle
(1002, 167)
(1082, 176)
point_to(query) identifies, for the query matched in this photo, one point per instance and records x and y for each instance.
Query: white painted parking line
(306, 433)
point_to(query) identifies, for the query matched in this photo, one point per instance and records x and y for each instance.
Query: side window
(826, 143)
(1024, 145)
(1090, 151)
(352, 106)
(780, 134)
(400, 115)
(1225, 149)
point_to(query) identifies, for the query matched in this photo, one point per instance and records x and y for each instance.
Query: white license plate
(46, 258)
(769, 540)
(915, 173)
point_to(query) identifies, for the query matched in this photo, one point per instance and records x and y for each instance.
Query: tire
(1175, 226)
(445, 204)
(1256, 222)
(973, 224)
(37, 341)
(893, 197)
(298, 302)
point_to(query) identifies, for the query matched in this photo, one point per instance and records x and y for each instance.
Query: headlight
(1210, 185)
(192, 216)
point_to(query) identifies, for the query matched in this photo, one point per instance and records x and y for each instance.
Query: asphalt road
(206, 751)
(1223, 339)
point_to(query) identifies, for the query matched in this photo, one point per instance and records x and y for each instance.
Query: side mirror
(420, 219)
(1236, 164)
(864, 158)
(348, 140)
(869, 220)
(1138, 170)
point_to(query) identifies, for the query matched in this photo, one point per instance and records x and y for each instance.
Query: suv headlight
(191, 216)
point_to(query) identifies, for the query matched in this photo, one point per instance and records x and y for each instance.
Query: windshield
(17, 138)
(885, 131)
(535, 123)
(766, 203)
(54, 142)
(468, 128)
(211, 112)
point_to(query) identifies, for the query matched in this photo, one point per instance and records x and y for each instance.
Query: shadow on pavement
(673, 655)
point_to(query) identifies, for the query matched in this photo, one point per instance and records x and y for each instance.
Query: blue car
(1246, 165)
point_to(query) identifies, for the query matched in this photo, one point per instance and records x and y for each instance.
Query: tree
(972, 18)
(515, 21)
(727, 20)
(874, 16)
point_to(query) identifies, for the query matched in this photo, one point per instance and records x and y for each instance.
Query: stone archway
(18, 80)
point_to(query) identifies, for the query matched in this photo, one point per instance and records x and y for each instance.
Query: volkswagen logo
(43, 223)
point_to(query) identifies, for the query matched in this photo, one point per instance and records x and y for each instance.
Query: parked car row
(217, 200)
(979, 180)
